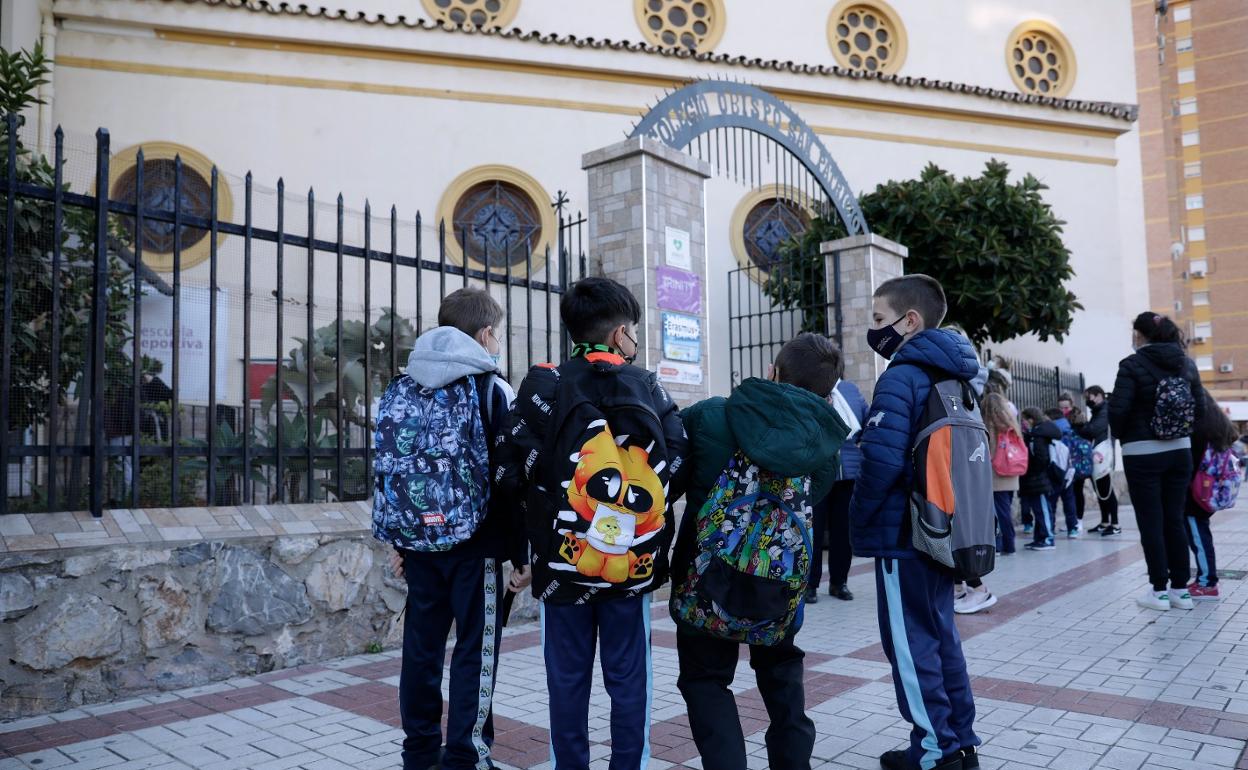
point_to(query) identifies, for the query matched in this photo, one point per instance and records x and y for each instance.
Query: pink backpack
(1216, 484)
(1010, 457)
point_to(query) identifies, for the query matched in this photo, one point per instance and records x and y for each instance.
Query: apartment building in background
(1192, 76)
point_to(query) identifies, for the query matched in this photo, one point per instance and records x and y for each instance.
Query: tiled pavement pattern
(1068, 674)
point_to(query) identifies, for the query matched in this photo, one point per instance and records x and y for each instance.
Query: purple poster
(679, 290)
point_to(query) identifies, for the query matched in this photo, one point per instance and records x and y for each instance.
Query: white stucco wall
(397, 130)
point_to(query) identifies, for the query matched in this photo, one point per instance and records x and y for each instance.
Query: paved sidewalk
(1068, 673)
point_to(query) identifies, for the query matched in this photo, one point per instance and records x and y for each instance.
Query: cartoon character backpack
(752, 562)
(600, 519)
(432, 463)
(1216, 484)
(951, 510)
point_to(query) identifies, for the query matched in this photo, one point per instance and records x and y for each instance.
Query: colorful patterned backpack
(1216, 484)
(752, 562)
(1080, 454)
(432, 463)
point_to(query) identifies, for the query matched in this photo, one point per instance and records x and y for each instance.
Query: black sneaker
(1112, 529)
(970, 760)
(841, 592)
(1039, 546)
(1098, 529)
(812, 596)
(897, 760)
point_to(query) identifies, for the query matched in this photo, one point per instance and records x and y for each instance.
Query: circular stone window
(761, 222)
(498, 216)
(473, 13)
(694, 25)
(1040, 60)
(160, 190)
(867, 37)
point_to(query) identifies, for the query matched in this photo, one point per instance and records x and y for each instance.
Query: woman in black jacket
(1096, 430)
(1154, 409)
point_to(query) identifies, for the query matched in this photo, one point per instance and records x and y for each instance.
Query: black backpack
(601, 518)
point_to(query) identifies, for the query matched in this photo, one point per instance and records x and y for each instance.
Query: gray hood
(446, 354)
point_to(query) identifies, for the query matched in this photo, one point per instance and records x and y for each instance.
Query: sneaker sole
(1148, 606)
(990, 601)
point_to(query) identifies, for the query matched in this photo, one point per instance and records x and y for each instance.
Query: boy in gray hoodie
(435, 428)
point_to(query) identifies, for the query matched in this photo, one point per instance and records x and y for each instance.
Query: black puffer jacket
(1096, 429)
(1135, 389)
(1038, 479)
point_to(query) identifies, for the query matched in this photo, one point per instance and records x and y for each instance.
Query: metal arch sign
(705, 105)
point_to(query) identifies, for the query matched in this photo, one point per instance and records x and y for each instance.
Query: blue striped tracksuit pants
(915, 603)
(620, 629)
(1200, 540)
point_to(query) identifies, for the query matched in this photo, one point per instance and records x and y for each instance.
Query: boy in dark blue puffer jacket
(914, 593)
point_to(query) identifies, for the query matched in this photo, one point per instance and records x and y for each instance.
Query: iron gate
(328, 302)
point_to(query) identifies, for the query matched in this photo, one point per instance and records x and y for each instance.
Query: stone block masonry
(638, 189)
(152, 612)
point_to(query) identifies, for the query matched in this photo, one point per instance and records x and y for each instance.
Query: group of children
(574, 480)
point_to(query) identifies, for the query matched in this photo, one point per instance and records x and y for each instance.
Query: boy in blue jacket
(915, 594)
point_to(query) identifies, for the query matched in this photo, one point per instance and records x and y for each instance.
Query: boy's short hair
(470, 311)
(1095, 390)
(812, 362)
(592, 307)
(1034, 414)
(918, 292)
(1066, 395)
(1053, 413)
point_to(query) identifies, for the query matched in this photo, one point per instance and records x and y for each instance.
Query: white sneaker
(974, 600)
(959, 592)
(1181, 599)
(1155, 600)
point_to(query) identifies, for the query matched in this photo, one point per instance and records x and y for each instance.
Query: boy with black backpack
(758, 460)
(1043, 479)
(435, 426)
(593, 452)
(890, 519)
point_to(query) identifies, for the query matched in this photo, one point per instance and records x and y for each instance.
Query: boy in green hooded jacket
(785, 425)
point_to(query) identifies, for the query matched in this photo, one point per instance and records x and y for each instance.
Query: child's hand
(396, 564)
(521, 577)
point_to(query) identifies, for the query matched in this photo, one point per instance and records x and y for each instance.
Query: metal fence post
(99, 318)
(6, 344)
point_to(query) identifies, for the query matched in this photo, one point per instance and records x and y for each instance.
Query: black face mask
(886, 340)
(1091, 404)
(633, 357)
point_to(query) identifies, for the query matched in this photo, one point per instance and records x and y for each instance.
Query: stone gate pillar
(866, 261)
(647, 230)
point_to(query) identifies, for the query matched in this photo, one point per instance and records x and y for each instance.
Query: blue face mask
(495, 358)
(885, 341)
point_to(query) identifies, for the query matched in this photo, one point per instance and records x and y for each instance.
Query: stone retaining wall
(82, 625)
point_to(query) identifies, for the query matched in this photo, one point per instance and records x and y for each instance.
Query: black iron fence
(158, 352)
(1039, 386)
(770, 304)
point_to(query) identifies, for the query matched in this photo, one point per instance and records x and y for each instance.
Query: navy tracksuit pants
(1003, 502)
(1038, 507)
(441, 589)
(570, 634)
(915, 603)
(1200, 540)
(1067, 498)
